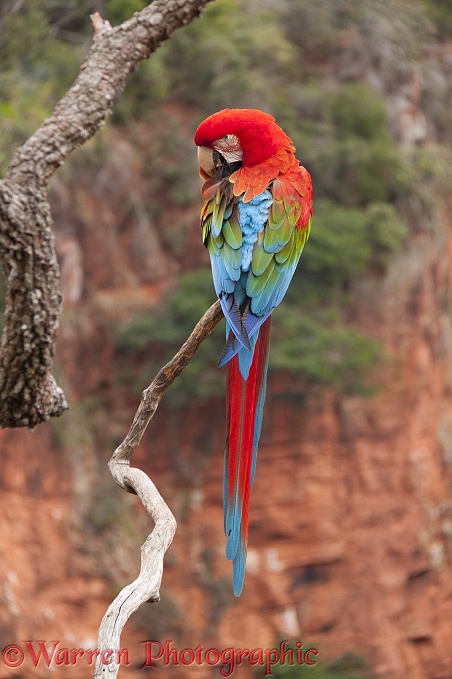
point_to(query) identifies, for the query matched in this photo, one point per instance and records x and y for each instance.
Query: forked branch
(147, 586)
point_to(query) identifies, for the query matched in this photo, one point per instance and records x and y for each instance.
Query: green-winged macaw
(255, 222)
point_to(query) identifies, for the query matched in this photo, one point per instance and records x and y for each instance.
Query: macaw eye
(229, 147)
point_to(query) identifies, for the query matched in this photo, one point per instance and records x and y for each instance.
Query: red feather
(244, 405)
(267, 167)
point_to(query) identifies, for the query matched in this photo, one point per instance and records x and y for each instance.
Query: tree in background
(29, 394)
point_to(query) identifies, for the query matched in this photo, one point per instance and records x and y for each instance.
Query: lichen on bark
(29, 393)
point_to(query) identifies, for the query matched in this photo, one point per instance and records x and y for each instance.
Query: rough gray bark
(28, 392)
(147, 586)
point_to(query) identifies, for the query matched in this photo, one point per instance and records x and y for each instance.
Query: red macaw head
(241, 136)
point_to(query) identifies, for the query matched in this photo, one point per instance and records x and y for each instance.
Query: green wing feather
(275, 254)
(232, 232)
(222, 236)
(277, 251)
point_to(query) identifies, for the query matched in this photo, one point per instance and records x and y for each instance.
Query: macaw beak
(206, 160)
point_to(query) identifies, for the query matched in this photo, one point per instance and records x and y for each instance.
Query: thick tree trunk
(28, 392)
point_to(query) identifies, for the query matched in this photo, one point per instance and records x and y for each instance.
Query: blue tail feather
(238, 569)
(233, 529)
(242, 473)
(251, 325)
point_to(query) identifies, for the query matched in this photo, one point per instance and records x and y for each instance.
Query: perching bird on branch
(255, 222)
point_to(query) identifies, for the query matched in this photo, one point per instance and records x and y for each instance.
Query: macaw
(255, 221)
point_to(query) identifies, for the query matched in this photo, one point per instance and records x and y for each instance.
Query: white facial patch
(229, 147)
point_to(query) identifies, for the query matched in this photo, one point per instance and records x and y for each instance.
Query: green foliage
(312, 27)
(162, 622)
(46, 66)
(343, 139)
(242, 53)
(338, 248)
(316, 345)
(148, 87)
(175, 180)
(427, 181)
(70, 20)
(159, 335)
(352, 666)
(346, 241)
(230, 60)
(118, 11)
(174, 319)
(31, 79)
(320, 347)
(385, 231)
(348, 666)
(357, 111)
(108, 510)
(236, 55)
(440, 12)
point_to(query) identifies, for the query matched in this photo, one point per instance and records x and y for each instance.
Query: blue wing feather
(253, 255)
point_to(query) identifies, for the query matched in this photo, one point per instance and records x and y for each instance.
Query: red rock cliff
(351, 519)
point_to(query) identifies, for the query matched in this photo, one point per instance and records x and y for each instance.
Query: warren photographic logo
(229, 658)
(157, 654)
(54, 654)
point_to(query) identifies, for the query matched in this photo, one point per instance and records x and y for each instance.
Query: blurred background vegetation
(247, 53)
(333, 73)
(347, 666)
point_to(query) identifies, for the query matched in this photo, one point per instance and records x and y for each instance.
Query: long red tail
(245, 396)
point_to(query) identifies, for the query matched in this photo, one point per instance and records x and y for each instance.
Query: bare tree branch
(28, 392)
(147, 586)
